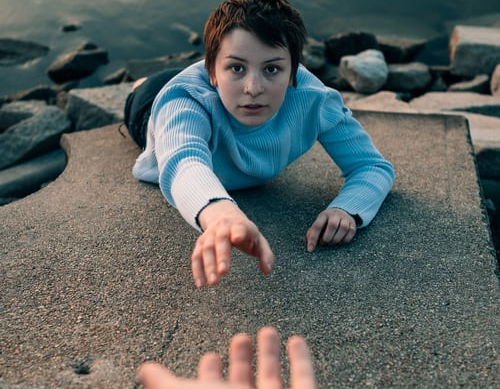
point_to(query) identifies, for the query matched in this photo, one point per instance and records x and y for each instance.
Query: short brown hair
(274, 22)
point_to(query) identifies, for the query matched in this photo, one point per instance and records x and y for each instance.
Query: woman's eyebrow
(275, 59)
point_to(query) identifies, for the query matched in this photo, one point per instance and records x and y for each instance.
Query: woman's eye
(272, 69)
(237, 68)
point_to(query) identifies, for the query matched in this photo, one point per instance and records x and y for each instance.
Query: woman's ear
(213, 81)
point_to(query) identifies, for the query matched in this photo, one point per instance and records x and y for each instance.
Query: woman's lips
(252, 108)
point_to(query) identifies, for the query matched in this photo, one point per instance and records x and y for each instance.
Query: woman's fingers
(301, 368)
(248, 238)
(154, 376)
(211, 257)
(332, 226)
(210, 368)
(268, 359)
(240, 360)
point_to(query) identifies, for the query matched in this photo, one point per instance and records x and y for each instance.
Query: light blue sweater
(197, 152)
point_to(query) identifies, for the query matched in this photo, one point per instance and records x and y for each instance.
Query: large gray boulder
(90, 108)
(17, 111)
(366, 72)
(33, 136)
(411, 77)
(29, 176)
(474, 50)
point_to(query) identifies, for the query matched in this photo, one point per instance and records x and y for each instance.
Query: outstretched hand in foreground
(225, 226)
(240, 373)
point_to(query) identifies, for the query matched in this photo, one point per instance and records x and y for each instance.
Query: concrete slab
(96, 272)
(484, 130)
(458, 101)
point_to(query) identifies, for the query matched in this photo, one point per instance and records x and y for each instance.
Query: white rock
(366, 72)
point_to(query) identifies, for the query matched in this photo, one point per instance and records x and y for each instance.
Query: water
(141, 29)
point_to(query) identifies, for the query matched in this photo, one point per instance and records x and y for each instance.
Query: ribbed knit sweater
(197, 151)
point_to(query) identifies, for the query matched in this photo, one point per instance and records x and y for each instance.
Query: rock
(71, 27)
(145, 67)
(117, 77)
(488, 163)
(444, 73)
(77, 64)
(458, 101)
(412, 77)
(366, 72)
(28, 177)
(33, 136)
(16, 52)
(474, 50)
(399, 50)
(39, 92)
(479, 84)
(438, 85)
(313, 55)
(97, 107)
(435, 52)
(18, 111)
(495, 82)
(348, 43)
(491, 191)
(330, 76)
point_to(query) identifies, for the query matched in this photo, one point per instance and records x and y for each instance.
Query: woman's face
(252, 77)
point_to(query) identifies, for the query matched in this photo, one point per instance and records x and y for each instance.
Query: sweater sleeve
(182, 131)
(368, 175)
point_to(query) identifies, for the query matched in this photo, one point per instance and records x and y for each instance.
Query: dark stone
(121, 75)
(435, 52)
(33, 136)
(82, 366)
(78, 64)
(347, 43)
(40, 92)
(488, 164)
(71, 27)
(15, 52)
(399, 50)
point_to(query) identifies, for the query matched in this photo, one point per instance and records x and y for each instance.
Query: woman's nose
(253, 85)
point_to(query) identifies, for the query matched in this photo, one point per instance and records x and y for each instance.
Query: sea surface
(142, 29)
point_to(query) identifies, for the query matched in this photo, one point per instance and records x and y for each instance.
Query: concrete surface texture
(96, 271)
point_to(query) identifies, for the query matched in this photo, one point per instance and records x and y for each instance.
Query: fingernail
(198, 283)
(310, 248)
(213, 278)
